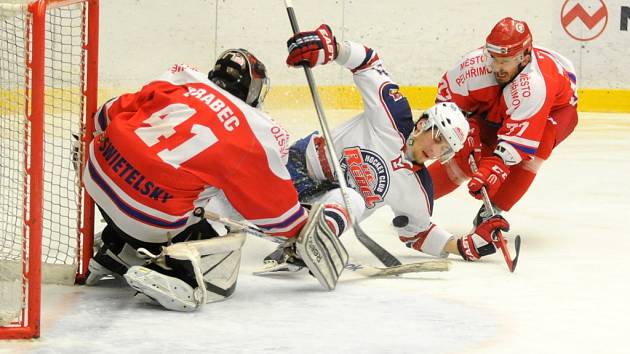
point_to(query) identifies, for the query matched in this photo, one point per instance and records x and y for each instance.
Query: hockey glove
(480, 243)
(473, 141)
(491, 173)
(312, 48)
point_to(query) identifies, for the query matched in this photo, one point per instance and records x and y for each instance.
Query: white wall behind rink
(417, 39)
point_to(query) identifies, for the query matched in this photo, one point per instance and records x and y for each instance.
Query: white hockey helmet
(450, 123)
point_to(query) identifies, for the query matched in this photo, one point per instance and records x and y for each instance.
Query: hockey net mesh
(64, 73)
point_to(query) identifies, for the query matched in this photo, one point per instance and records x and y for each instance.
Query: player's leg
(186, 275)
(560, 125)
(114, 257)
(118, 250)
(309, 168)
(335, 215)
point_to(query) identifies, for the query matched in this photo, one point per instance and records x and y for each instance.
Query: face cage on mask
(258, 89)
(448, 153)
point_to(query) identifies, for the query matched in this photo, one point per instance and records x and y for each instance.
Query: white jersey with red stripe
(520, 109)
(371, 147)
(177, 143)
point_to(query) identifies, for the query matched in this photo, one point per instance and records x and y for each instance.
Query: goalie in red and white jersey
(182, 141)
(522, 101)
(382, 151)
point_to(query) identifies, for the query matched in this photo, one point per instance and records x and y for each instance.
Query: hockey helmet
(446, 119)
(509, 38)
(240, 73)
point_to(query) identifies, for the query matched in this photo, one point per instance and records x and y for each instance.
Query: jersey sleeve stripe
(525, 145)
(402, 130)
(284, 225)
(370, 58)
(102, 119)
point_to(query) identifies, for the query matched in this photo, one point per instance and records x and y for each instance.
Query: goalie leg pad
(209, 268)
(320, 249)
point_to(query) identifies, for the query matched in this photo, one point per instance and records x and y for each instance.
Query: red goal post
(48, 94)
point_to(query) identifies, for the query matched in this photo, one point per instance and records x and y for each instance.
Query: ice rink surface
(569, 293)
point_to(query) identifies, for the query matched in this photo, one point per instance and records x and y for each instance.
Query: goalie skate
(172, 293)
(279, 262)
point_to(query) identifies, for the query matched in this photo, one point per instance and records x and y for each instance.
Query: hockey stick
(498, 235)
(377, 250)
(440, 265)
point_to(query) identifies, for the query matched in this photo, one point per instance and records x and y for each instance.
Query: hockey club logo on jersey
(366, 172)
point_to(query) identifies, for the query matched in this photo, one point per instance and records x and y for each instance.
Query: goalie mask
(240, 73)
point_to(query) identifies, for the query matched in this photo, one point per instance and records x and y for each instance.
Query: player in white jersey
(162, 154)
(382, 151)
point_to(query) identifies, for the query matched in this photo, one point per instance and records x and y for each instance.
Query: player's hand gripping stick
(497, 237)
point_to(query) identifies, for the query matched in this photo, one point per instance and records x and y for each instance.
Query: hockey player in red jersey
(186, 140)
(522, 101)
(382, 151)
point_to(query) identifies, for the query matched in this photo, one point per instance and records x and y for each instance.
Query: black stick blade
(517, 247)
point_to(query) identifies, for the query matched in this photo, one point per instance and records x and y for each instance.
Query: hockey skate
(97, 272)
(279, 261)
(170, 292)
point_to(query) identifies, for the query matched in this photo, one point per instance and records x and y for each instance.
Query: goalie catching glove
(480, 243)
(312, 48)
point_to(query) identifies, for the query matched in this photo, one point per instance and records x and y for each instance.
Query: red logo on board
(584, 20)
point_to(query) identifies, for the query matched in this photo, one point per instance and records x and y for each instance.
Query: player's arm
(128, 102)
(518, 137)
(385, 106)
(381, 97)
(478, 243)
(413, 223)
(416, 231)
(438, 242)
(267, 201)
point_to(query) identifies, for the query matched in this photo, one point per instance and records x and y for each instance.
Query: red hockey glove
(478, 244)
(473, 141)
(313, 48)
(491, 173)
